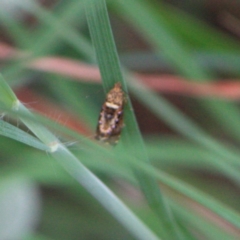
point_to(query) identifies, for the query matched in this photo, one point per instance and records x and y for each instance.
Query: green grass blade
(154, 27)
(185, 126)
(7, 97)
(16, 29)
(59, 28)
(15, 133)
(222, 210)
(56, 29)
(110, 69)
(86, 178)
(209, 229)
(104, 196)
(196, 33)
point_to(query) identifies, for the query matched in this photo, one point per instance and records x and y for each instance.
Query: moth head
(116, 95)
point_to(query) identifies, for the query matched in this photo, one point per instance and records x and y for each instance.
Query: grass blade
(110, 69)
(72, 165)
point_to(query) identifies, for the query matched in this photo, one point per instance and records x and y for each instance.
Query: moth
(110, 122)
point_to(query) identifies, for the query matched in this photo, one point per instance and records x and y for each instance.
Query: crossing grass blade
(154, 27)
(17, 134)
(109, 65)
(75, 168)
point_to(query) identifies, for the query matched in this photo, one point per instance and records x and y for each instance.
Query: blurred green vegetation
(188, 146)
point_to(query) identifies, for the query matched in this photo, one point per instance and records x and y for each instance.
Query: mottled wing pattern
(110, 121)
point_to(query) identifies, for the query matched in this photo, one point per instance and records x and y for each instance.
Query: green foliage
(81, 191)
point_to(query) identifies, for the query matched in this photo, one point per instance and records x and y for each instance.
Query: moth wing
(116, 132)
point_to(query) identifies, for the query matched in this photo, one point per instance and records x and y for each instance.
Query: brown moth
(110, 120)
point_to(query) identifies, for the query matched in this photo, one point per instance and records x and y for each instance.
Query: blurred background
(186, 52)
